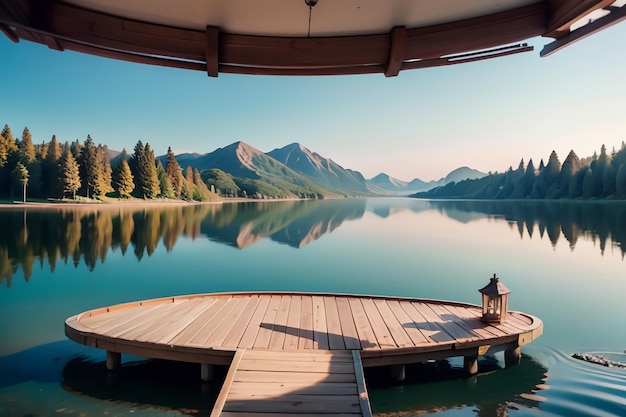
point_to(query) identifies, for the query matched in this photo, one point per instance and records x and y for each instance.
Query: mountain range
(294, 171)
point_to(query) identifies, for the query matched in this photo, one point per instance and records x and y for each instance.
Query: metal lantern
(495, 301)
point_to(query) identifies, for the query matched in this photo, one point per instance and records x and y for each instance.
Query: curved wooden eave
(64, 26)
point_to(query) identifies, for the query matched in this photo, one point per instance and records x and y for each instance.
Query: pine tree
(134, 164)
(8, 159)
(20, 176)
(148, 175)
(26, 148)
(167, 190)
(186, 192)
(202, 192)
(70, 175)
(75, 148)
(619, 158)
(102, 180)
(51, 167)
(620, 181)
(609, 181)
(568, 170)
(588, 189)
(125, 183)
(528, 181)
(174, 172)
(598, 166)
(551, 176)
(88, 166)
(576, 185)
(41, 151)
(7, 145)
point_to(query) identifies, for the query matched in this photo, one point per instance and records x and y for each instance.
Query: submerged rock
(599, 359)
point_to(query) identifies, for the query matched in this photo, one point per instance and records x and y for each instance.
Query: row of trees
(599, 176)
(55, 170)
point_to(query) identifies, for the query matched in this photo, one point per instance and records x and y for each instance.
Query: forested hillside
(67, 170)
(599, 176)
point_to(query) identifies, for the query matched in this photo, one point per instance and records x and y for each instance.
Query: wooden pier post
(512, 356)
(470, 364)
(207, 372)
(398, 372)
(114, 360)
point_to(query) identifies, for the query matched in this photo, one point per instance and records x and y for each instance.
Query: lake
(563, 262)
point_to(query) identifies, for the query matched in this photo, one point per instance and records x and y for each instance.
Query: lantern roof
(290, 37)
(495, 287)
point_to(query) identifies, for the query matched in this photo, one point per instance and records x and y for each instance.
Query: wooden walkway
(315, 383)
(258, 328)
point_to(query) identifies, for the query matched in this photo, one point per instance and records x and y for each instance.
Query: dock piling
(398, 372)
(512, 356)
(207, 372)
(114, 360)
(470, 364)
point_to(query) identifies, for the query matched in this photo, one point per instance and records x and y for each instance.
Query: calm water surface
(563, 262)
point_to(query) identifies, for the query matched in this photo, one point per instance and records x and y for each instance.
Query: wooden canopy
(293, 37)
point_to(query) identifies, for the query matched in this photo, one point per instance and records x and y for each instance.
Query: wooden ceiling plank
(125, 56)
(117, 33)
(616, 15)
(212, 51)
(17, 11)
(349, 70)
(477, 33)
(570, 11)
(397, 47)
(438, 62)
(261, 51)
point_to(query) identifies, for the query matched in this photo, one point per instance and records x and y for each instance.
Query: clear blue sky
(423, 123)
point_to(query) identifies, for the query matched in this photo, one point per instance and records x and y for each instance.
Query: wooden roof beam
(616, 15)
(490, 31)
(212, 48)
(566, 13)
(397, 48)
(468, 57)
(9, 32)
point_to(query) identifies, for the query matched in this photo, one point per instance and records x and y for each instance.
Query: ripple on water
(579, 388)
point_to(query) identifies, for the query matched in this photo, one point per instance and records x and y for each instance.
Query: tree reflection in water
(602, 222)
(86, 234)
(75, 234)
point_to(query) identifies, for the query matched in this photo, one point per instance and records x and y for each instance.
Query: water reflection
(430, 388)
(493, 392)
(602, 222)
(86, 234)
(73, 234)
(151, 384)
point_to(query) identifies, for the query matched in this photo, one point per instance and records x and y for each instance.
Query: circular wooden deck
(209, 328)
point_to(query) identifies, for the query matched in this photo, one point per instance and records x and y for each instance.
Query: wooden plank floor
(293, 322)
(314, 383)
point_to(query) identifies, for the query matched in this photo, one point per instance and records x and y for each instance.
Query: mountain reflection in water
(75, 234)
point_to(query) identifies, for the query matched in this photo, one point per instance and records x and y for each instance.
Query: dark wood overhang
(288, 37)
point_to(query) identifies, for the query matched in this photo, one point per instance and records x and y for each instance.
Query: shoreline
(132, 203)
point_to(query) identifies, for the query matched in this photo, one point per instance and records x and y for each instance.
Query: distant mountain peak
(463, 173)
(319, 169)
(388, 182)
(246, 153)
